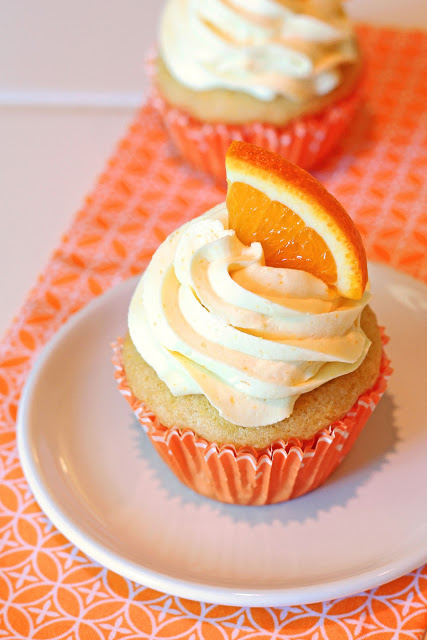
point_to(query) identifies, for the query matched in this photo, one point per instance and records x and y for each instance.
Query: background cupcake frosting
(211, 318)
(264, 48)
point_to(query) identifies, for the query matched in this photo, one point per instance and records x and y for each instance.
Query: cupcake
(253, 359)
(283, 74)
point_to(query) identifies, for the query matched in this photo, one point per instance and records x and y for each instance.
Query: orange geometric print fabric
(48, 588)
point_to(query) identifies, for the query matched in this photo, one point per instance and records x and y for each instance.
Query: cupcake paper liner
(305, 141)
(249, 476)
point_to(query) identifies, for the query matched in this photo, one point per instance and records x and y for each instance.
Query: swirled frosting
(266, 48)
(212, 319)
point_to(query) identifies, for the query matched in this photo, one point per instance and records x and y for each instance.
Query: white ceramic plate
(95, 474)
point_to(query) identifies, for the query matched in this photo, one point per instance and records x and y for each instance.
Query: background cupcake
(283, 74)
(253, 361)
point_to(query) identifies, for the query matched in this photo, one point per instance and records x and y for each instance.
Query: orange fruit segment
(299, 224)
(286, 240)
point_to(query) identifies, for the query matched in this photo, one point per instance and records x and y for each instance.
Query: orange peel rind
(285, 183)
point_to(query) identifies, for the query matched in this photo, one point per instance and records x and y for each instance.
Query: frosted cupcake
(283, 74)
(253, 359)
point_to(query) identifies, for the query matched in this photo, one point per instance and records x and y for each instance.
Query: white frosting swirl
(211, 318)
(262, 47)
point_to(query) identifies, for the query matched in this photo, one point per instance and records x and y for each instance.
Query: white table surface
(71, 77)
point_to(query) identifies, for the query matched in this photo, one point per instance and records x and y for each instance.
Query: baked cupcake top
(265, 48)
(220, 314)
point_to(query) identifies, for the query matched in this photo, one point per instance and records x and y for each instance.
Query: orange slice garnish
(299, 224)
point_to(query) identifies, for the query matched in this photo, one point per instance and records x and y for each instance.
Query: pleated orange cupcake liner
(305, 141)
(249, 476)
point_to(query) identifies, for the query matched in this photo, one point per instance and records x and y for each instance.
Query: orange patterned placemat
(48, 588)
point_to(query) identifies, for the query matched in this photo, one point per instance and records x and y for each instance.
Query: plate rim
(158, 580)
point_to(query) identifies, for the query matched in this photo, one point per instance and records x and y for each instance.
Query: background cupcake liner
(305, 141)
(284, 470)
